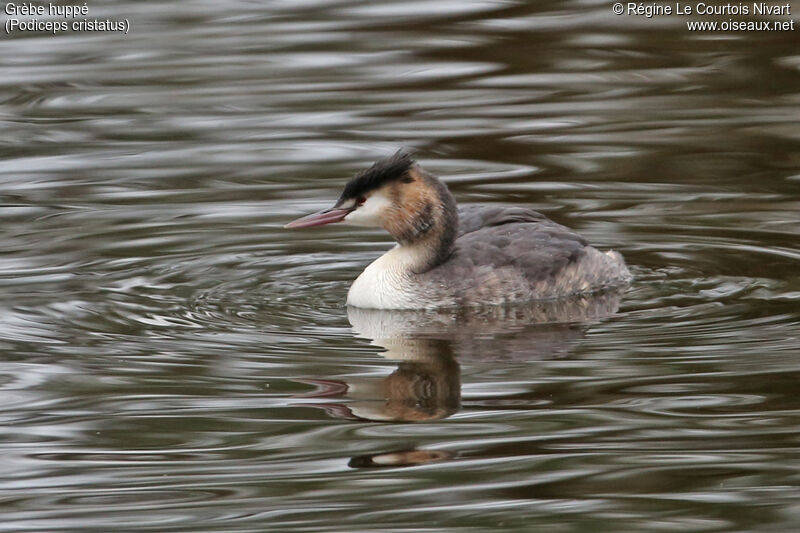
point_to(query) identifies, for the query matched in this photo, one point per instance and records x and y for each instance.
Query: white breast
(387, 282)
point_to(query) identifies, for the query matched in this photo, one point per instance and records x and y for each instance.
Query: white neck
(387, 283)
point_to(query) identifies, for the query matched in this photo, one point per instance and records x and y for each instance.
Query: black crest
(380, 173)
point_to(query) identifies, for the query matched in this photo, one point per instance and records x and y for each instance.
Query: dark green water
(172, 360)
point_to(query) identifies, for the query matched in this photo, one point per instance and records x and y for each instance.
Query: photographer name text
(703, 9)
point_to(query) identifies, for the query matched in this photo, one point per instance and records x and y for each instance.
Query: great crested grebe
(451, 257)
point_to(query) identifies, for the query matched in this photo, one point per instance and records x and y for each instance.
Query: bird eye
(360, 200)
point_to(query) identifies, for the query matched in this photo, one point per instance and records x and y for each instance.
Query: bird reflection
(429, 346)
(411, 457)
(425, 386)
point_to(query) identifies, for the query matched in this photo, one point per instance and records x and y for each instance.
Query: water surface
(172, 360)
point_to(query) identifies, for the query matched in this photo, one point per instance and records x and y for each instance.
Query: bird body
(472, 256)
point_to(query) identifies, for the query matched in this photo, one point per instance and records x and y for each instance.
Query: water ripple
(173, 360)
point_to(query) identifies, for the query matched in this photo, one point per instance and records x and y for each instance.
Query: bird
(451, 257)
